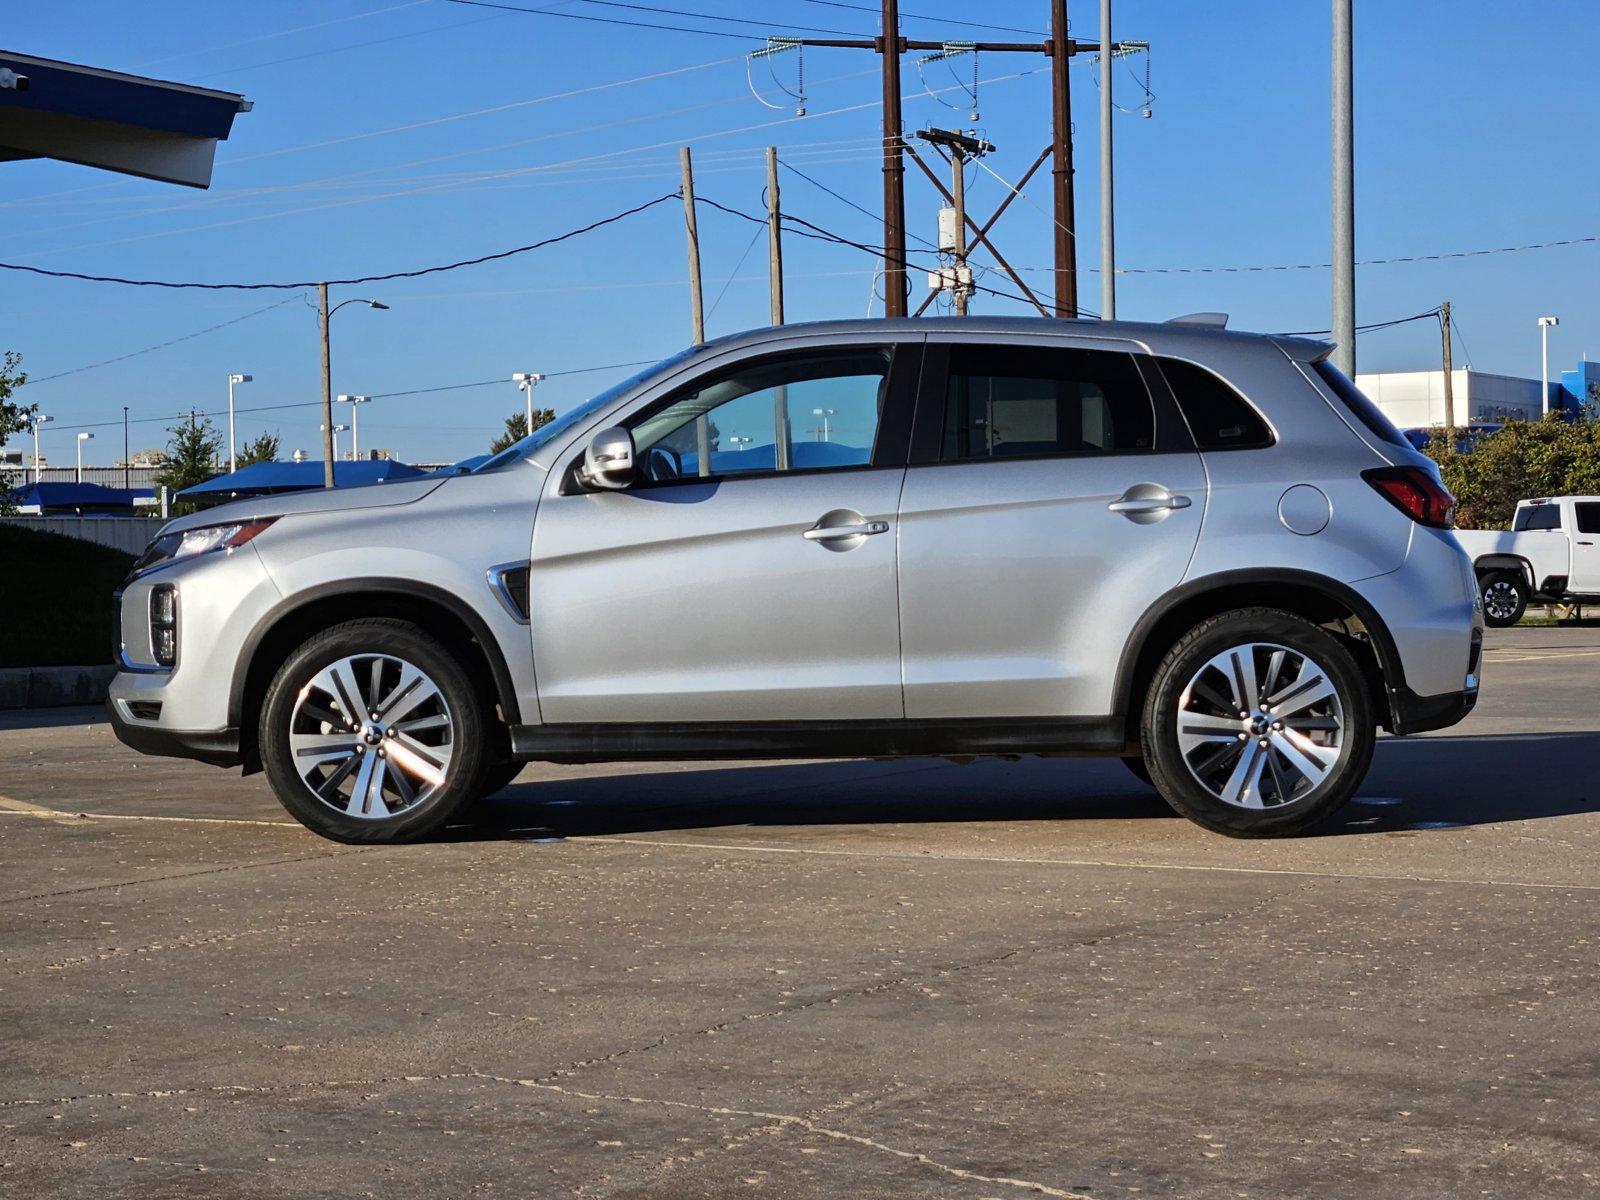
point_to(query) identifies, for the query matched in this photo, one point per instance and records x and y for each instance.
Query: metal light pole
(355, 422)
(38, 420)
(1344, 192)
(824, 413)
(525, 380)
(126, 466)
(324, 315)
(1545, 324)
(332, 433)
(233, 442)
(1108, 231)
(83, 436)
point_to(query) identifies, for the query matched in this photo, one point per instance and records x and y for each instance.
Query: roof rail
(1210, 320)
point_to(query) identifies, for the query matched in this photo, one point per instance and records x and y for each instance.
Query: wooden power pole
(1449, 372)
(327, 386)
(697, 310)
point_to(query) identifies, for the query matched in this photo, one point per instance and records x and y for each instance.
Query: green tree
(191, 454)
(13, 417)
(263, 449)
(1551, 457)
(517, 428)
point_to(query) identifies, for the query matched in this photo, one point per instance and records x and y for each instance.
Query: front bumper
(219, 747)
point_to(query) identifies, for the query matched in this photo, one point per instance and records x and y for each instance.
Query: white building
(1416, 398)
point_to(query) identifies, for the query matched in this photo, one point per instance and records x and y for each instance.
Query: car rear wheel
(1258, 724)
(372, 731)
(1505, 597)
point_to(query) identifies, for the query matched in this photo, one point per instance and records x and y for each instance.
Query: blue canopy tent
(270, 478)
(77, 499)
(125, 123)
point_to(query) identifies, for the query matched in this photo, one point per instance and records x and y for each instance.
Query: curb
(53, 687)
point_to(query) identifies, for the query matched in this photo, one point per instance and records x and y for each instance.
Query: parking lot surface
(826, 979)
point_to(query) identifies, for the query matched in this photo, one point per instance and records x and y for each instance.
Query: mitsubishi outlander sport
(1201, 551)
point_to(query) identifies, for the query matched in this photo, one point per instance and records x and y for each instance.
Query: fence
(128, 534)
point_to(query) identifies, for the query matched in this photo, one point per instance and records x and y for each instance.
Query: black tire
(1505, 597)
(462, 731)
(1341, 730)
(498, 776)
(1135, 764)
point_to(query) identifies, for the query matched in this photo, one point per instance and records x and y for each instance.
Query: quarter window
(1588, 517)
(1219, 417)
(1010, 401)
(786, 415)
(1537, 516)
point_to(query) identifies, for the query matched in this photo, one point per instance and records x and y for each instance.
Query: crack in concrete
(177, 875)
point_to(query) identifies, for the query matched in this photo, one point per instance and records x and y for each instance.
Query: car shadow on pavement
(52, 718)
(1422, 783)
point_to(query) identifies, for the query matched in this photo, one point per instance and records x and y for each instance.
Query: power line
(705, 16)
(267, 37)
(1365, 262)
(927, 17)
(106, 362)
(413, 274)
(572, 16)
(1431, 314)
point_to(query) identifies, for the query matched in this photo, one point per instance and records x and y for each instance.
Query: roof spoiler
(1208, 320)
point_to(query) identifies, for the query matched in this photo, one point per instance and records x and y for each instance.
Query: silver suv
(1203, 552)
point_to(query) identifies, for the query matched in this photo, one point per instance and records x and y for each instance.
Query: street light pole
(233, 442)
(355, 422)
(38, 420)
(1344, 192)
(331, 438)
(1545, 324)
(1108, 233)
(324, 315)
(83, 436)
(525, 380)
(126, 467)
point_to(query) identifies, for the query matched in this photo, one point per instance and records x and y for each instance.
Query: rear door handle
(1150, 504)
(833, 533)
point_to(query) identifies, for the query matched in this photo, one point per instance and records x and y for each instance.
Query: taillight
(1416, 493)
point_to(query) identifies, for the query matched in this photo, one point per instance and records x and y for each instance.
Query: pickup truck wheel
(1505, 597)
(372, 731)
(1258, 724)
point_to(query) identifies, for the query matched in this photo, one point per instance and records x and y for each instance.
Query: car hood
(340, 499)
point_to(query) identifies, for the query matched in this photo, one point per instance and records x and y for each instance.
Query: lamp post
(233, 442)
(38, 419)
(824, 413)
(83, 436)
(126, 467)
(331, 434)
(324, 315)
(355, 422)
(1545, 324)
(525, 380)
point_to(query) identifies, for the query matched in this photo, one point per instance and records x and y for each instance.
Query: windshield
(572, 418)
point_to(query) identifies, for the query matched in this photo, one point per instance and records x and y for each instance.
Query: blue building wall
(1577, 385)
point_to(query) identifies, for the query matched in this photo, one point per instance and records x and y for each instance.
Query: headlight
(170, 546)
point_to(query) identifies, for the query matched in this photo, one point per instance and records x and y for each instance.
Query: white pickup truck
(1551, 553)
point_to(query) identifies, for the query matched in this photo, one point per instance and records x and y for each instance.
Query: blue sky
(1474, 130)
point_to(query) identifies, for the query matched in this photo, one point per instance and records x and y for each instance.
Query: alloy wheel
(1260, 725)
(1500, 600)
(371, 736)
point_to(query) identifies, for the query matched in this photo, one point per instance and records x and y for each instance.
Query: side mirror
(608, 462)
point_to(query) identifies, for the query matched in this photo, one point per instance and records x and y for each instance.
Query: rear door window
(1588, 517)
(1019, 401)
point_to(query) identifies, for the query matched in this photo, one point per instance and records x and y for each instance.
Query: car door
(1051, 500)
(750, 573)
(1585, 577)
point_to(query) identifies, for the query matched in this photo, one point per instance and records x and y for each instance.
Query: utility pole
(1449, 373)
(1344, 191)
(126, 484)
(780, 397)
(890, 45)
(1108, 228)
(954, 239)
(774, 237)
(697, 313)
(1061, 48)
(327, 386)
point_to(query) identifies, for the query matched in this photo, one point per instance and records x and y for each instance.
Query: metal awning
(124, 123)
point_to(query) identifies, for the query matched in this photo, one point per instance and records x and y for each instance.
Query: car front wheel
(372, 731)
(1258, 724)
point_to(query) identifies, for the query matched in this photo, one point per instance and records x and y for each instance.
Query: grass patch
(55, 598)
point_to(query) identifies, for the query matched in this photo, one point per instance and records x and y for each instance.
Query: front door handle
(1149, 504)
(832, 533)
